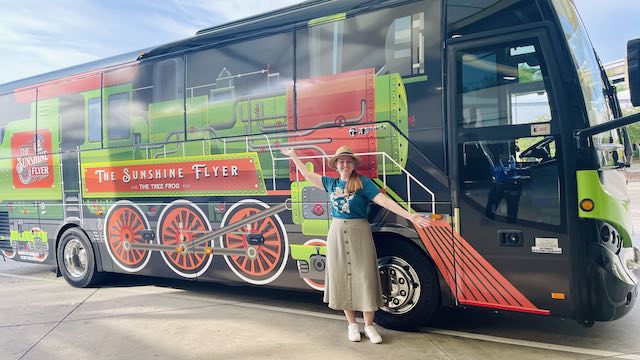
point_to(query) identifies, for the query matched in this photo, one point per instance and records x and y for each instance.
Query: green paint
(391, 105)
(316, 227)
(304, 252)
(327, 19)
(415, 79)
(606, 208)
(28, 236)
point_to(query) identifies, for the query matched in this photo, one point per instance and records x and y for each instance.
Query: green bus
(493, 117)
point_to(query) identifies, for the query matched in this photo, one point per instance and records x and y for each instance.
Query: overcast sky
(37, 36)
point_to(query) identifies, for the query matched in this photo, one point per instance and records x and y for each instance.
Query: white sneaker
(354, 332)
(371, 332)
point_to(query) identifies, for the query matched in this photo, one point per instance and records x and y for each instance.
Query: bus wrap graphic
(208, 175)
(32, 163)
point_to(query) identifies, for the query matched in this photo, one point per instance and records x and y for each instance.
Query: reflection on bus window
(504, 86)
(119, 116)
(239, 88)
(168, 80)
(513, 180)
(94, 113)
(13, 110)
(389, 40)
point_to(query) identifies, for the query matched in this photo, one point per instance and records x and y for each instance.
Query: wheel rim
(402, 282)
(271, 252)
(75, 258)
(315, 284)
(182, 225)
(124, 227)
(268, 253)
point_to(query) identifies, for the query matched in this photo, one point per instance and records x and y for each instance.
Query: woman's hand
(286, 151)
(420, 220)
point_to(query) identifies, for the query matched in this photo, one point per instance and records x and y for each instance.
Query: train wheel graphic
(267, 236)
(123, 226)
(315, 284)
(181, 223)
(11, 254)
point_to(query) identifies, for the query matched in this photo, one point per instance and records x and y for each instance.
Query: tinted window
(465, 17)
(119, 126)
(389, 40)
(503, 86)
(239, 88)
(513, 180)
(14, 107)
(168, 80)
(402, 41)
(94, 114)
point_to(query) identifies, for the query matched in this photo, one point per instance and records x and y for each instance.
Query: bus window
(168, 80)
(94, 115)
(119, 126)
(239, 88)
(504, 86)
(390, 41)
(513, 180)
(487, 15)
(13, 110)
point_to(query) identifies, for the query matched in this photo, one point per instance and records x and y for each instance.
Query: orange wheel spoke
(269, 251)
(263, 226)
(260, 265)
(268, 261)
(270, 232)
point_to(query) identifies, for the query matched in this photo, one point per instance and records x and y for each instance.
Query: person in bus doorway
(352, 281)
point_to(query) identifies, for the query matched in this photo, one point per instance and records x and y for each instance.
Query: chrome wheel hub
(400, 285)
(75, 258)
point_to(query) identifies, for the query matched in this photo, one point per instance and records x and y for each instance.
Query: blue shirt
(349, 206)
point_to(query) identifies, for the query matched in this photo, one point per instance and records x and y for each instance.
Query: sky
(38, 36)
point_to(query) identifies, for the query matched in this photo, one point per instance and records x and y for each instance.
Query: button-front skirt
(352, 281)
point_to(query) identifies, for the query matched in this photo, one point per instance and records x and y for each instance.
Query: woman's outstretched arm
(385, 202)
(314, 178)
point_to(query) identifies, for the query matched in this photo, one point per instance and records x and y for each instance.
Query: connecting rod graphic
(197, 246)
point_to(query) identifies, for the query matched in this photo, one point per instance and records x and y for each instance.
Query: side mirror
(633, 65)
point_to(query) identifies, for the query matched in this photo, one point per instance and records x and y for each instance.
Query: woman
(352, 281)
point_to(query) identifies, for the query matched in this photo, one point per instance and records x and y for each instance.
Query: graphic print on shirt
(340, 200)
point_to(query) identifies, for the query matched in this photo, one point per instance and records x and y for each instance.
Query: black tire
(78, 265)
(419, 304)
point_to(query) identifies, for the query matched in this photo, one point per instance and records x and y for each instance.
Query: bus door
(511, 248)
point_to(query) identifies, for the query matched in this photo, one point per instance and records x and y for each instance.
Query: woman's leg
(368, 317)
(369, 329)
(351, 316)
(353, 333)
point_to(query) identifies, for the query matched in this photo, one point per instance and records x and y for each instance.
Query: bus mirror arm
(581, 136)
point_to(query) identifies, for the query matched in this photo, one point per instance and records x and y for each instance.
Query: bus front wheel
(409, 285)
(76, 259)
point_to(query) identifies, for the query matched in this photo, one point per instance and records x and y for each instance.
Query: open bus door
(512, 250)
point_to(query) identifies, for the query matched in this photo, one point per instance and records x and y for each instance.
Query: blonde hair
(353, 183)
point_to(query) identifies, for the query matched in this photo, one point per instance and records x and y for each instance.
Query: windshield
(591, 81)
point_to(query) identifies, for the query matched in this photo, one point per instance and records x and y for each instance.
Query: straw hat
(344, 150)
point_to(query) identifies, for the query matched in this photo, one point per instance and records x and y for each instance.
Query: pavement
(133, 317)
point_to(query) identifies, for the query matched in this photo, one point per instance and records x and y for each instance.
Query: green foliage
(634, 129)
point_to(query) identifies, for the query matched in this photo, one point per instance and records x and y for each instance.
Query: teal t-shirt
(349, 206)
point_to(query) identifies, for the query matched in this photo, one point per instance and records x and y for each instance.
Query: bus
(493, 117)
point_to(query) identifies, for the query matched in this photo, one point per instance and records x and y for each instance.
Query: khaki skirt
(352, 281)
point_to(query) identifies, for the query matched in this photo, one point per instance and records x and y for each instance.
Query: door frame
(564, 107)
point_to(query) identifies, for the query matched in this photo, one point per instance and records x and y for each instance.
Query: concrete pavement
(147, 318)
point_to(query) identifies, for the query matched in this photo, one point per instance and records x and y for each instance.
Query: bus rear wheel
(409, 286)
(76, 259)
